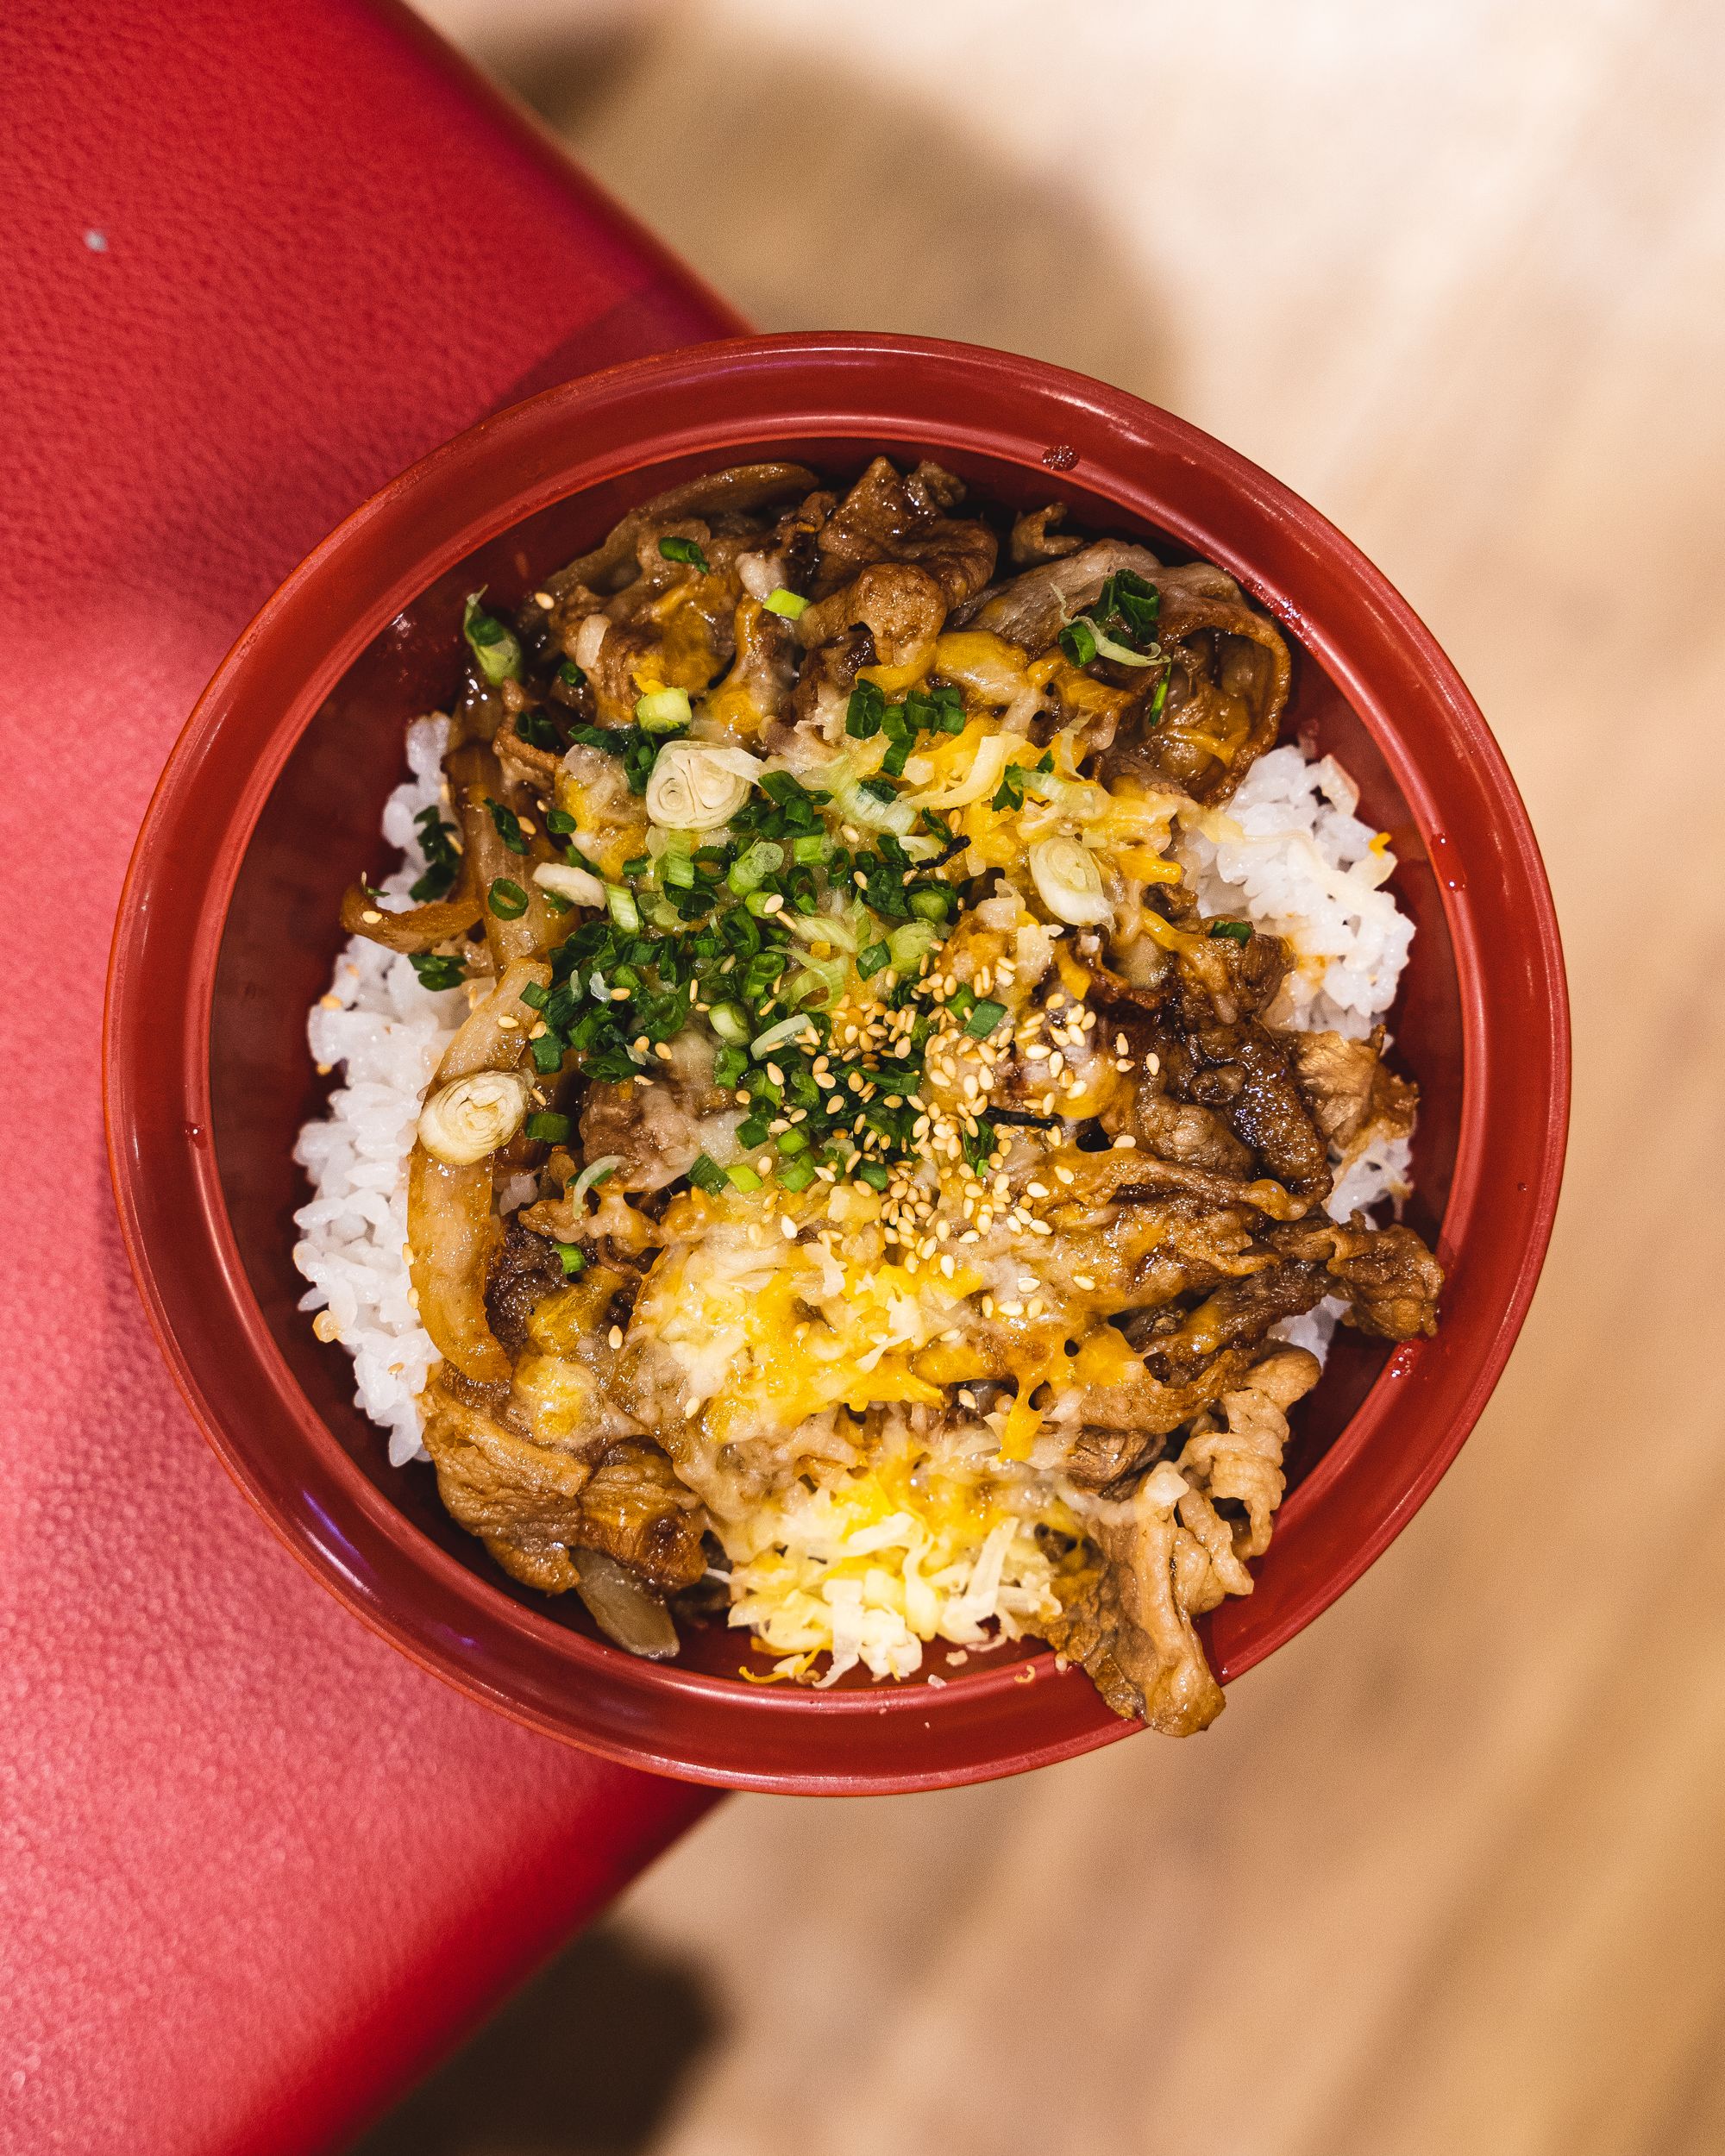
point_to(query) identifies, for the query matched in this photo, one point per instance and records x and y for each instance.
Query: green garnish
(570, 674)
(437, 972)
(1157, 700)
(984, 1018)
(873, 1173)
(573, 1257)
(508, 826)
(559, 823)
(791, 604)
(869, 961)
(1078, 641)
(707, 1174)
(547, 1129)
(620, 905)
(506, 899)
(675, 549)
(743, 1179)
(442, 860)
(1233, 932)
(662, 709)
(491, 644)
(865, 711)
(796, 1174)
(1012, 787)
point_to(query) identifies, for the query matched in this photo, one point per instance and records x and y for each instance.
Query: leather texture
(256, 1870)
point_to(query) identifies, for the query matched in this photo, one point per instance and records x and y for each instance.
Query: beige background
(1447, 1876)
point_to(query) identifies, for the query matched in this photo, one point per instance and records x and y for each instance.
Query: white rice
(389, 1033)
(1289, 854)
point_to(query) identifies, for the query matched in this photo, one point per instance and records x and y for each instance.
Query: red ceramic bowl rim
(170, 925)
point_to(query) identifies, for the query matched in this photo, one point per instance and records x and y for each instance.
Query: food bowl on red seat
(271, 799)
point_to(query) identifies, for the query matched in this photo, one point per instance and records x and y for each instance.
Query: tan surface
(1450, 1873)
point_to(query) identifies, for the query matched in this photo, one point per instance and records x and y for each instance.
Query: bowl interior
(319, 827)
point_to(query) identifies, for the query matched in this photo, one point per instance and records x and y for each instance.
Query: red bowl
(272, 798)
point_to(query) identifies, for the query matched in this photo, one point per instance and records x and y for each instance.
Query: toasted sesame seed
(775, 1074)
(787, 1228)
(615, 1336)
(1036, 1190)
(1125, 1144)
(691, 1405)
(1084, 1280)
(1064, 1176)
(1013, 1309)
(510, 1023)
(371, 915)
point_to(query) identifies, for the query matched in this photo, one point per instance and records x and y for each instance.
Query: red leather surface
(255, 1869)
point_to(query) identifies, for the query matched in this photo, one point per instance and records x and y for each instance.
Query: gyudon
(863, 1106)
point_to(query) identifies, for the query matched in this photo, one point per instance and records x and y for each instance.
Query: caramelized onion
(416, 928)
(623, 1608)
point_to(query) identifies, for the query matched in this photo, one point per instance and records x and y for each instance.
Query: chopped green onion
(810, 850)
(1232, 932)
(743, 1178)
(730, 1021)
(491, 644)
(796, 1174)
(752, 1131)
(637, 865)
(674, 550)
(437, 972)
(570, 674)
(909, 945)
(620, 905)
(547, 1129)
(662, 709)
(559, 823)
(573, 1257)
(508, 826)
(881, 789)
(869, 961)
(789, 1142)
(1158, 700)
(785, 1030)
(678, 870)
(506, 899)
(707, 1174)
(873, 1174)
(984, 1018)
(791, 604)
(865, 711)
(730, 1063)
(548, 1052)
(933, 902)
(751, 869)
(1078, 641)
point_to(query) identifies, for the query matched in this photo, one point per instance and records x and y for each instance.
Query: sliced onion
(696, 786)
(775, 1034)
(594, 1172)
(821, 927)
(624, 1609)
(579, 885)
(1069, 882)
(469, 1118)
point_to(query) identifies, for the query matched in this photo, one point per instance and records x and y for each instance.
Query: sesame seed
(987, 1305)
(1013, 1309)
(1064, 1176)
(764, 1167)
(776, 903)
(1084, 1280)
(371, 914)
(775, 1074)
(510, 1023)
(787, 1227)
(330, 1003)
(1152, 1063)
(1124, 1144)
(1036, 1190)
(691, 1405)
(662, 1051)
(619, 995)
(615, 1336)
(544, 599)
